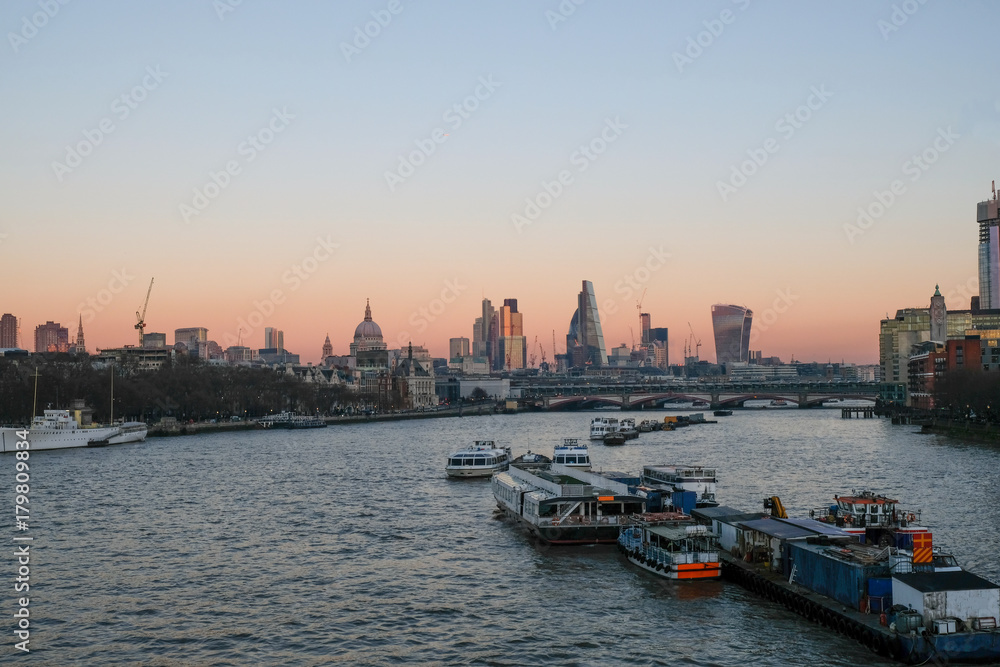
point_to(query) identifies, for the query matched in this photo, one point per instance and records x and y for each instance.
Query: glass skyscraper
(585, 332)
(989, 254)
(732, 333)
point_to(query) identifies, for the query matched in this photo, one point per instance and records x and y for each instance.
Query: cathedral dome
(368, 328)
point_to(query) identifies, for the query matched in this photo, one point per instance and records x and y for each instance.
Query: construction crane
(695, 345)
(141, 317)
(534, 353)
(777, 509)
(632, 334)
(541, 348)
(638, 307)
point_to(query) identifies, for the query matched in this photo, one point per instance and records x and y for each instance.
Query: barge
(562, 505)
(912, 605)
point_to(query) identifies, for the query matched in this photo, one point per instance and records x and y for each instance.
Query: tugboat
(627, 428)
(614, 439)
(874, 518)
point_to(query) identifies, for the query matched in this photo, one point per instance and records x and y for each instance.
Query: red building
(934, 360)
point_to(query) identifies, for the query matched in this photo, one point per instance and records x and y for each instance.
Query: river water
(348, 545)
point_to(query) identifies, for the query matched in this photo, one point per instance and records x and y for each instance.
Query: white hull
(129, 432)
(56, 438)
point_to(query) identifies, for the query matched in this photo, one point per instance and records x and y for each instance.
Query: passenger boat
(482, 459)
(601, 426)
(562, 505)
(627, 428)
(300, 421)
(572, 454)
(697, 479)
(614, 439)
(671, 545)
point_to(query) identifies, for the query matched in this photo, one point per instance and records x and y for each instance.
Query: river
(348, 545)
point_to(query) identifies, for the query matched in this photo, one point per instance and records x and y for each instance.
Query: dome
(368, 328)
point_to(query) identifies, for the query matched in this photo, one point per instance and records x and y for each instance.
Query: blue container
(684, 500)
(880, 586)
(836, 578)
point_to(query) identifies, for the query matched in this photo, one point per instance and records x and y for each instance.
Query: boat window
(455, 462)
(860, 509)
(468, 462)
(874, 509)
(480, 460)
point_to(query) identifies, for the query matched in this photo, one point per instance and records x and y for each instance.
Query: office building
(51, 337)
(8, 331)
(274, 338)
(585, 340)
(731, 325)
(191, 336)
(154, 341)
(458, 348)
(644, 322)
(512, 345)
(989, 253)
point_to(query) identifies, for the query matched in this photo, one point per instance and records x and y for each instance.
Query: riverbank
(167, 429)
(963, 430)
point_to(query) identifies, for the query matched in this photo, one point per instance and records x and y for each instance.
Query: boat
(531, 461)
(614, 439)
(699, 404)
(299, 421)
(627, 428)
(54, 429)
(601, 426)
(129, 432)
(914, 606)
(671, 545)
(483, 459)
(873, 518)
(778, 403)
(723, 413)
(572, 454)
(648, 425)
(698, 480)
(563, 505)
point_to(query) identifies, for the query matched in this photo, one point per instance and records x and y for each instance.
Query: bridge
(640, 395)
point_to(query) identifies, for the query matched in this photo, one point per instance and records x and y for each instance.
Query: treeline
(185, 390)
(968, 394)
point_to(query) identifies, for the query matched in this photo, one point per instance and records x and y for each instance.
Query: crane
(534, 353)
(141, 317)
(696, 344)
(638, 307)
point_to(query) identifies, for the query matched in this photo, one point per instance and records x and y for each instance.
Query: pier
(866, 412)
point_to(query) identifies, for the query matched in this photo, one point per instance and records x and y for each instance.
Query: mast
(34, 403)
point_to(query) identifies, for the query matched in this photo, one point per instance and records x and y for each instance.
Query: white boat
(55, 429)
(671, 545)
(129, 432)
(697, 479)
(572, 454)
(601, 426)
(483, 459)
(627, 428)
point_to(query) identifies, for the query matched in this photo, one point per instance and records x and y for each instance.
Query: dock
(866, 412)
(863, 628)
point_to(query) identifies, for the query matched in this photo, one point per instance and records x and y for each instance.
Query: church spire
(368, 311)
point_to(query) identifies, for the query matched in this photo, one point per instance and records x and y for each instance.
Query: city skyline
(268, 163)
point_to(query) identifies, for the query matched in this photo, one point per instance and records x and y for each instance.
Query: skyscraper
(732, 333)
(989, 253)
(644, 324)
(8, 331)
(51, 337)
(585, 330)
(513, 348)
(481, 331)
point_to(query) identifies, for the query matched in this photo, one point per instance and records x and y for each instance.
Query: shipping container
(839, 578)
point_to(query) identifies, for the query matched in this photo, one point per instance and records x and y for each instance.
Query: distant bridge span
(714, 399)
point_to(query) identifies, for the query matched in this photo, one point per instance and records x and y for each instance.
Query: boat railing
(581, 520)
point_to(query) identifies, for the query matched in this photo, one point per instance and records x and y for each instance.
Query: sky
(278, 164)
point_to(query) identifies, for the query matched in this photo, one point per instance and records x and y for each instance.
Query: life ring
(911, 517)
